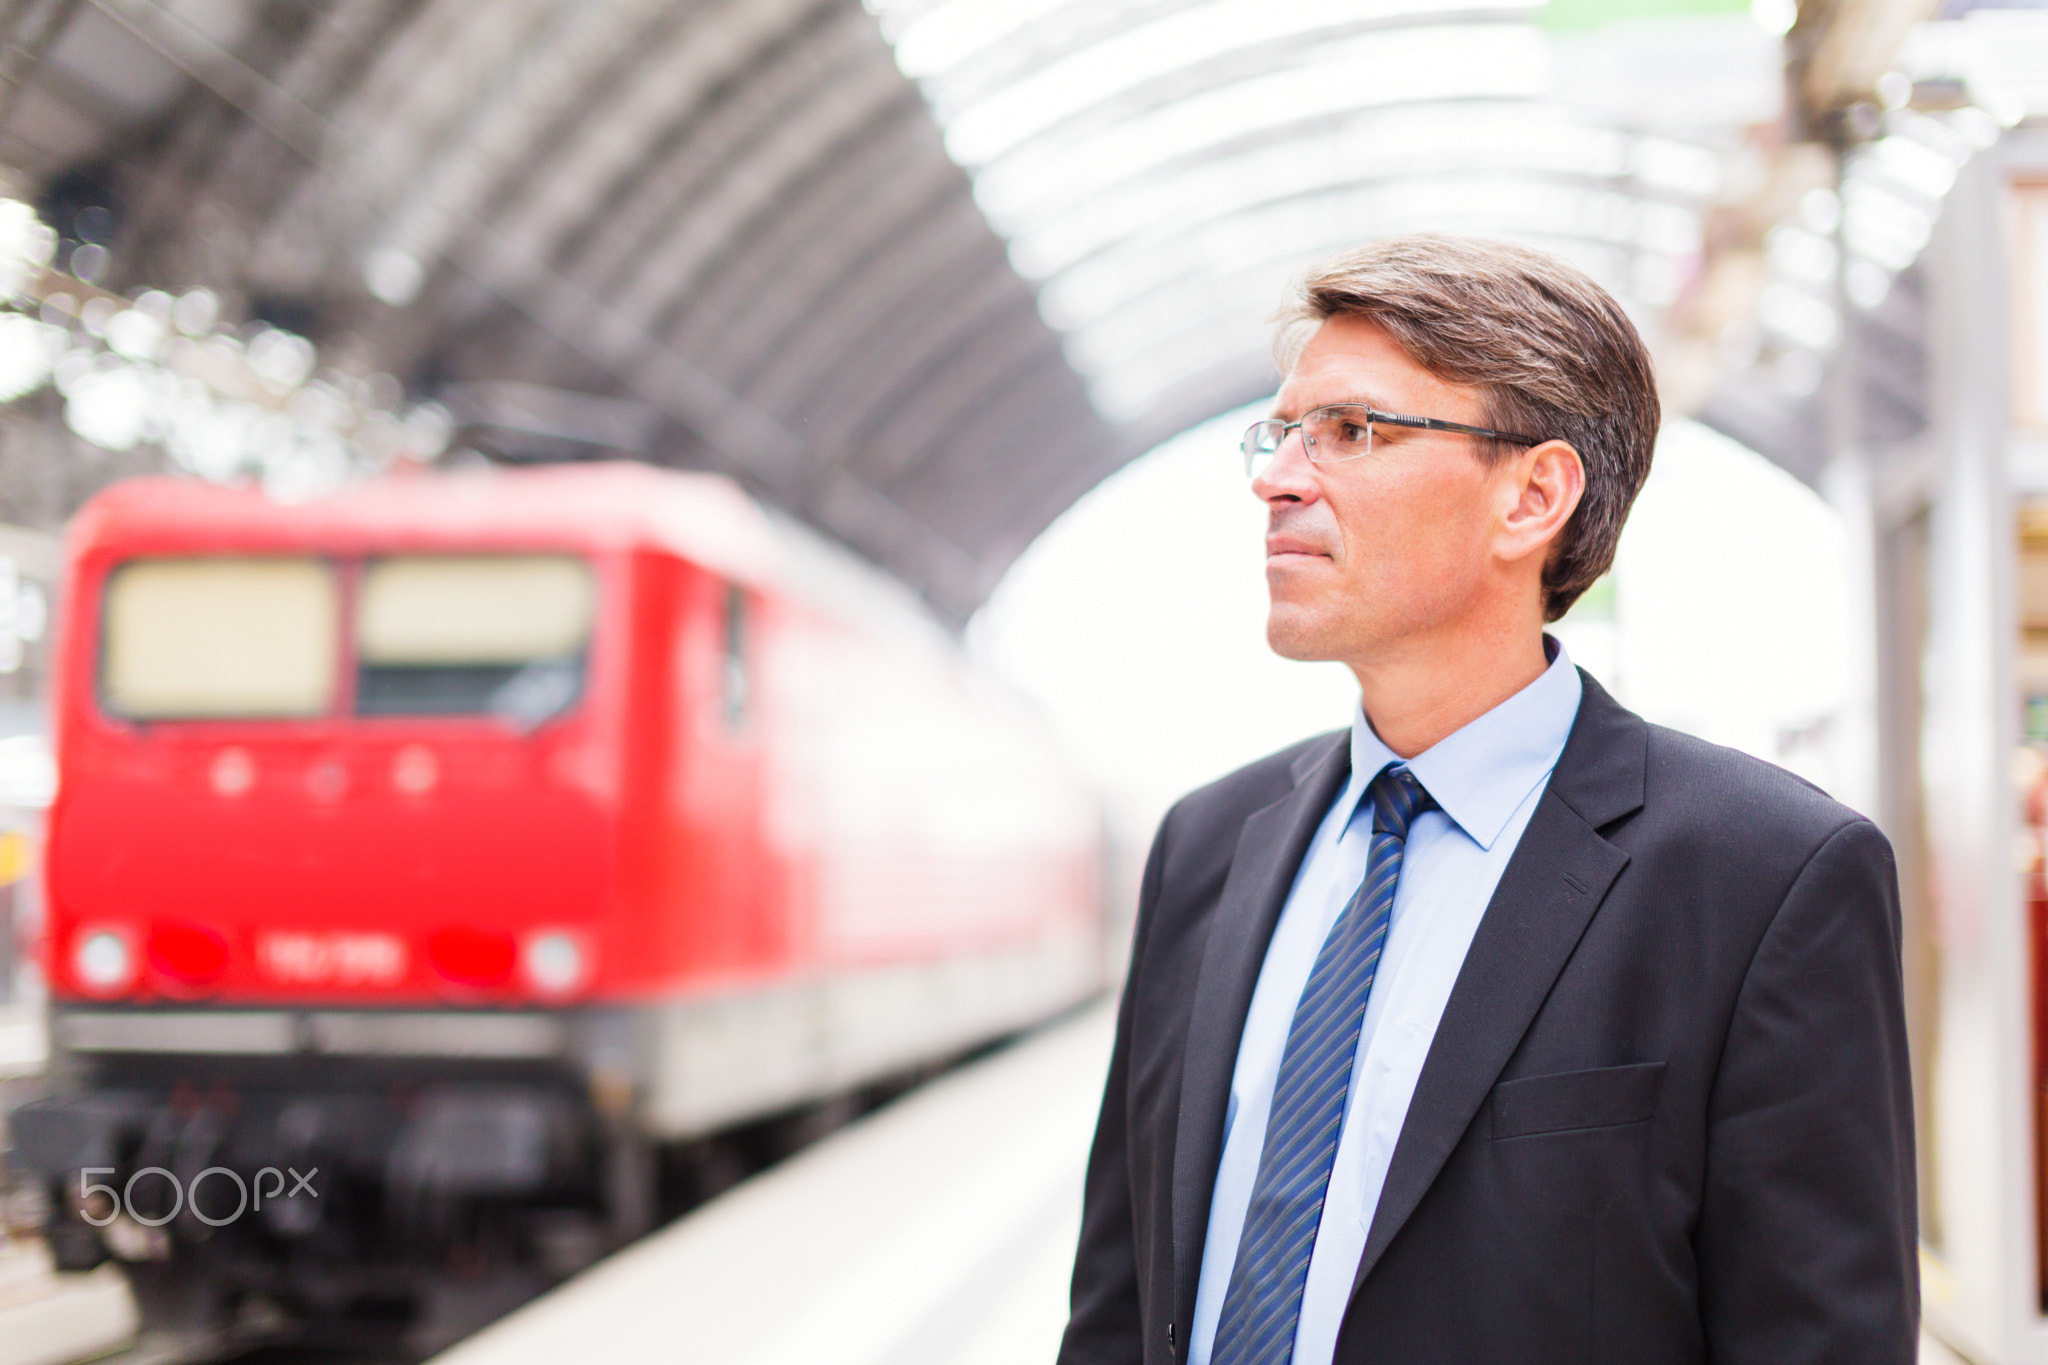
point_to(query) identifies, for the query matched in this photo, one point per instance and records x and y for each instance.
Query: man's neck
(1425, 693)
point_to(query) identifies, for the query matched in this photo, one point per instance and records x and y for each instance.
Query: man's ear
(1544, 486)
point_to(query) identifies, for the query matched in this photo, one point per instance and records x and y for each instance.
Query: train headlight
(104, 961)
(556, 962)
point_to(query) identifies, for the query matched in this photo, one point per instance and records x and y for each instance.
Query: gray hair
(1552, 353)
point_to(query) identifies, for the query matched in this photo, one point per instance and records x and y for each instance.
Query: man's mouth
(1283, 547)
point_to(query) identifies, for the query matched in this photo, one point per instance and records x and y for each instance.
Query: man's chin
(1292, 637)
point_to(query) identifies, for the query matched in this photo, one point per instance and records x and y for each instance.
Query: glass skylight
(982, 125)
(1162, 167)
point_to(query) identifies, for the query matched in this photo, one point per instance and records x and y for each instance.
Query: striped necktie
(1262, 1305)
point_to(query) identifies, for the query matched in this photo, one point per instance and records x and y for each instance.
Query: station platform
(940, 1229)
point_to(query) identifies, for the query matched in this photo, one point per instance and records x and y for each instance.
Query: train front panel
(283, 781)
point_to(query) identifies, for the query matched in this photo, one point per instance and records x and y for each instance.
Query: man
(1506, 1028)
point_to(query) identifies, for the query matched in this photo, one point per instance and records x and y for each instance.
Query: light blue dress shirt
(1487, 779)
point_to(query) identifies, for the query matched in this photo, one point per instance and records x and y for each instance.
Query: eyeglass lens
(1328, 435)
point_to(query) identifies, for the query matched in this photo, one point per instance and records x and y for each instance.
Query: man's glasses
(1344, 431)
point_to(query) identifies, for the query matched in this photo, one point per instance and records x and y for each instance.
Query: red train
(473, 838)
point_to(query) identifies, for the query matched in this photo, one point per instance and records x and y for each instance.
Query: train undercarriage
(394, 1204)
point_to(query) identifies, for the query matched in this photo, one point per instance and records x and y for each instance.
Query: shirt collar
(1480, 773)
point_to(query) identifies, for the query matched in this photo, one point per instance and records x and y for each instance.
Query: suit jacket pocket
(1602, 1098)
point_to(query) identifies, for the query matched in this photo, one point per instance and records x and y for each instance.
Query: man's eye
(1353, 433)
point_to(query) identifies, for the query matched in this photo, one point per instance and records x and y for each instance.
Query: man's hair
(1551, 352)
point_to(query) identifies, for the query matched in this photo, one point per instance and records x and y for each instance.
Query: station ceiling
(922, 272)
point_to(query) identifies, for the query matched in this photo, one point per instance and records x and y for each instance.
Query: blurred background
(593, 592)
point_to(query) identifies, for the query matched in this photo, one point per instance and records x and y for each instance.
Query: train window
(473, 635)
(734, 677)
(216, 636)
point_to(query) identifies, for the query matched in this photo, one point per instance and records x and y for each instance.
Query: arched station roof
(1162, 170)
(921, 272)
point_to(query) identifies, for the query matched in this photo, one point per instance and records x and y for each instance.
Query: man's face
(1366, 556)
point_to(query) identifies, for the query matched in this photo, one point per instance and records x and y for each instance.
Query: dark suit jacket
(1666, 1117)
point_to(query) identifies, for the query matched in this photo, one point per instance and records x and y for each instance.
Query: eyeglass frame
(1372, 415)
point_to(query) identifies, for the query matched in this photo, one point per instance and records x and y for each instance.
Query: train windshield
(472, 634)
(213, 637)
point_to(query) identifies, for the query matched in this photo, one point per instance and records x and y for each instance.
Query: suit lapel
(1270, 848)
(1553, 884)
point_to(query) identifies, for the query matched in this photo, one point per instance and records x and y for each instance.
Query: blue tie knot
(1397, 798)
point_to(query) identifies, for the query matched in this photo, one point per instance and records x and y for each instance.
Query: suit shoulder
(1712, 783)
(1198, 839)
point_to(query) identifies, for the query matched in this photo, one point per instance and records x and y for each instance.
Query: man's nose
(1288, 476)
